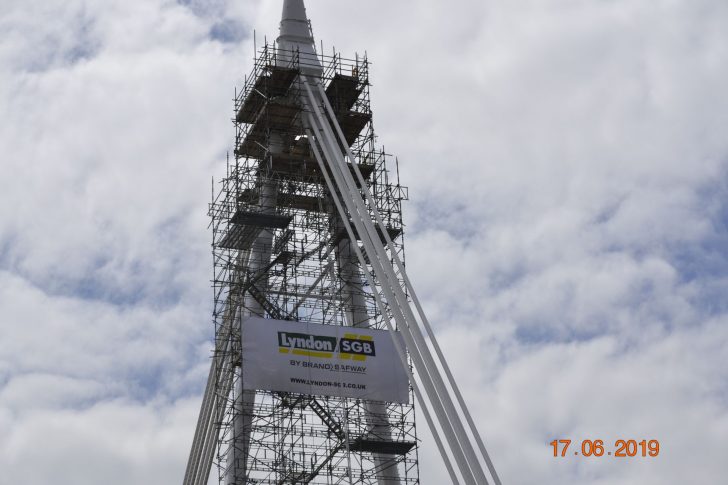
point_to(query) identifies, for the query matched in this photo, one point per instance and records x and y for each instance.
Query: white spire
(296, 36)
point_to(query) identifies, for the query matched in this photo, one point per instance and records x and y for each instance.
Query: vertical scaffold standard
(307, 227)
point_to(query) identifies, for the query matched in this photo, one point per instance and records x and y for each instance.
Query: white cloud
(113, 442)
(567, 166)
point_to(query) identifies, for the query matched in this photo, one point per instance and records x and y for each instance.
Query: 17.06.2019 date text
(622, 448)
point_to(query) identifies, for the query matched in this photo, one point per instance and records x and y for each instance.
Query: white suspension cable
(361, 218)
(456, 434)
(200, 460)
(382, 308)
(413, 294)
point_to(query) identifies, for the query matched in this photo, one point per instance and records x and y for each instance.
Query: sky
(567, 229)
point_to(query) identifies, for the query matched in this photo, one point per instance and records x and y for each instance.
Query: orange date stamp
(621, 448)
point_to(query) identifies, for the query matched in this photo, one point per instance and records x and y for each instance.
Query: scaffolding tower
(278, 246)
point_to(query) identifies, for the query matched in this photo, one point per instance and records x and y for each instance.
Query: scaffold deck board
(393, 232)
(293, 166)
(352, 123)
(379, 446)
(276, 115)
(343, 91)
(239, 237)
(274, 82)
(257, 219)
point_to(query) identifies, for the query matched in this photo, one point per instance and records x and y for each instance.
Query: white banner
(322, 359)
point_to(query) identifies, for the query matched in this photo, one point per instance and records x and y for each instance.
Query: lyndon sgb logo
(351, 346)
